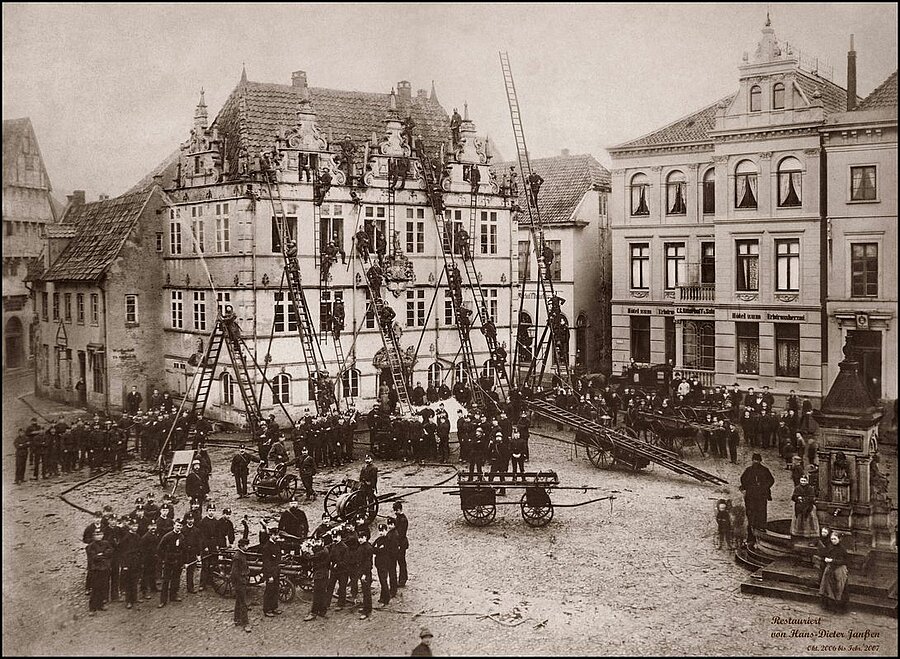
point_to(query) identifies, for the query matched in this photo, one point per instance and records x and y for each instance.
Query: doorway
(15, 348)
(865, 348)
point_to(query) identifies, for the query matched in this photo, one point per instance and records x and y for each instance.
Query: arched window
(745, 181)
(789, 178)
(350, 383)
(709, 191)
(778, 96)
(488, 371)
(460, 374)
(435, 375)
(524, 338)
(640, 188)
(675, 194)
(281, 389)
(227, 385)
(755, 98)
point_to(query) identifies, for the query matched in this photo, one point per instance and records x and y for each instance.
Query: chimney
(404, 90)
(298, 79)
(851, 77)
(76, 198)
(103, 197)
(564, 152)
(422, 95)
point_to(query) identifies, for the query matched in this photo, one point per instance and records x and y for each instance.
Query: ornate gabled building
(717, 232)
(573, 207)
(338, 160)
(27, 210)
(861, 240)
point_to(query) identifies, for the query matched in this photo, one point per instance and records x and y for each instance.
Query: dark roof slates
(884, 96)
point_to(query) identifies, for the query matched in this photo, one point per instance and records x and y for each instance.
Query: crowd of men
(141, 554)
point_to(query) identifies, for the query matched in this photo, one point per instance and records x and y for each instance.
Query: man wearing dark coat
(756, 484)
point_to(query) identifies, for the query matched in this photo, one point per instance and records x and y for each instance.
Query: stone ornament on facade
(669, 294)
(747, 297)
(639, 294)
(765, 155)
(787, 298)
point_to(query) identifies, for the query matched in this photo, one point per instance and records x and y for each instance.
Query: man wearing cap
(423, 649)
(210, 539)
(240, 469)
(293, 525)
(320, 561)
(340, 568)
(368, 479)
(226, 529)
(307, 468)
(22, 444)
(240, 574)
(401, 523)
(129, 550)
(271, 571)
(148, 547)
(193, 548)
(756, 484)
(99, 552)
(364, 554)
(383, 563)
(171, 552)
(195, 486)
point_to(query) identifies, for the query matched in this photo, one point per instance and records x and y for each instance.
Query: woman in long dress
(833, 587)
(805, 523)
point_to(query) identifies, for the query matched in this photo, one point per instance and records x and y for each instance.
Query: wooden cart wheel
(287, 487)
(332, 497)
(537, 510)
(480, 515)
(286, 589)
(221, 581)
(304, 579)
(599, 457)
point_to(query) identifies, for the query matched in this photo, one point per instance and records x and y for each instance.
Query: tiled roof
(15, 132)
(101, 229)
(834, 97)
(694, 127)
(566, 180)
(885, 95)
(253, 114)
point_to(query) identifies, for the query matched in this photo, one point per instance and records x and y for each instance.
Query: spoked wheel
(537, 510)
(304, 580)
(480, 515)
(287, 487)
(286, 589)
(221, 583)
(600, 457)
(332, 497)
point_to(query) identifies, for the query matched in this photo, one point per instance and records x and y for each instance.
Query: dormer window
(745, 182)
(640, 186)
(778, 96)
(755, 98)
(789, 177)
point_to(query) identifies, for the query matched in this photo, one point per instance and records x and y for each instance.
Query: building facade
(717, 232)
(572, 203)
(97, 303)
(221, 246)
(27, 210)
(861, 234)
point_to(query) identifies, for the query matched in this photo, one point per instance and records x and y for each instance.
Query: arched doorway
(15, 348)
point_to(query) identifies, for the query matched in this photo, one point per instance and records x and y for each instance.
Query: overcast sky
(111, 89)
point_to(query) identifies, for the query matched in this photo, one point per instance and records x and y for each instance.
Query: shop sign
(785, 316)
(695, 311)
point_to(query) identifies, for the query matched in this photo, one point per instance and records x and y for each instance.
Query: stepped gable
(254, 113)
(101, 228)
(694, 127)
(884, 96)
(567, 178)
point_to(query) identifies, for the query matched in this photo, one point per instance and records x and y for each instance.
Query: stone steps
(801, 593)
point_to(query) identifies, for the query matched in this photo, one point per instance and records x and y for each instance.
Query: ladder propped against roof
(313, 358)
(536, 230)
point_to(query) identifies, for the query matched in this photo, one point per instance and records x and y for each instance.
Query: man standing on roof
(455, 123)
(474, 178)
(534, 184)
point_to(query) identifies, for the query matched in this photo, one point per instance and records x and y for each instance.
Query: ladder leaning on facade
(447, 241)
(536, 230)
(392, 349)
(313, 358)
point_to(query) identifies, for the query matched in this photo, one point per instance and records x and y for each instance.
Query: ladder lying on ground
(597, 437)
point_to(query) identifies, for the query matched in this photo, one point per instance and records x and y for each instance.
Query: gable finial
(243, 72)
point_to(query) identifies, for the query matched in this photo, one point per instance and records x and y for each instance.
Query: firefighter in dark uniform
(240, 469)
(340, 568)
(293, 525)
(368, 480)
(193, 550)
(148, 547)
(401, 522)
(171, 552)
(271, 570)
(307, 469)
(210, 535)
(195, 486)
(98, 555)
(321, 560)
(130, 562)
(22, 444)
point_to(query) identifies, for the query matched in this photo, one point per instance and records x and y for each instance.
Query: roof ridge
(880, 88)
(728, 98)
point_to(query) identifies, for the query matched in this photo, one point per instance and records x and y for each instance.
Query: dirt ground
(639, 576)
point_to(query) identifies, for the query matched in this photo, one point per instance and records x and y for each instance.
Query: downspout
(824, 260)
(108, 353)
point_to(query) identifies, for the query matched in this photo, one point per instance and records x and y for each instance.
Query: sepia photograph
(407, 329)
